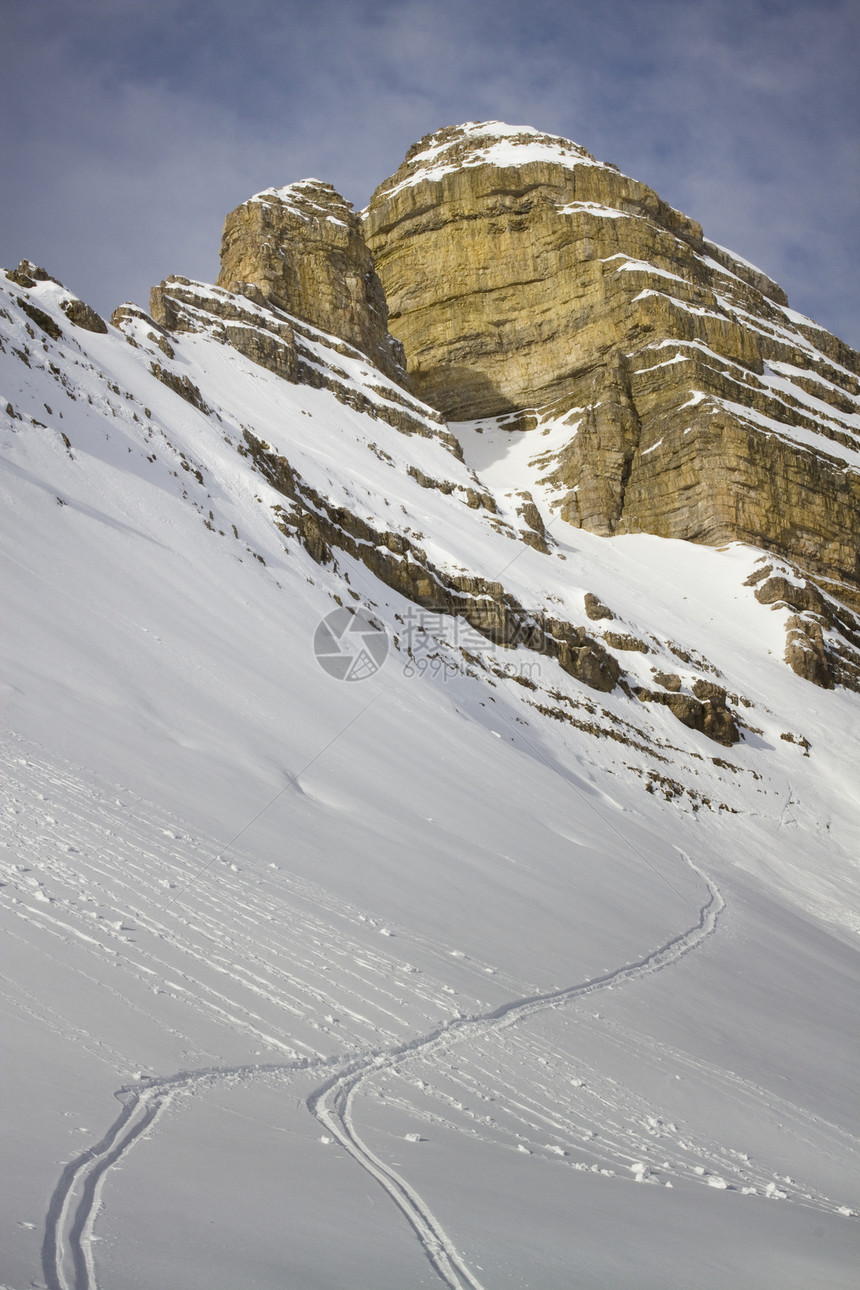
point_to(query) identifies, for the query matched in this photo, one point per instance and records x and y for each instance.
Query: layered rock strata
(528, 280)
(301, 249)
(283, 344)
(532, 284)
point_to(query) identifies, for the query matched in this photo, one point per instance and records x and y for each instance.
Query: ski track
(285, 975)
(74, 1204)
(332, 1104)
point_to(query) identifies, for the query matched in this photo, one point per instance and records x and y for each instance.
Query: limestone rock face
(535, 291)
(303, 250)
(529, 281)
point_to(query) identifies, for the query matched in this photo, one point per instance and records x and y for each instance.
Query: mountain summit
(530, 282)
(431, 670)
(529, 286)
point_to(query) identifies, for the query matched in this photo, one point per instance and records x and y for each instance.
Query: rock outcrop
(80, 314)
(400, 563)
(282, 343)
(531, 284)
(822, 635)
(301, 249)
(528, 280)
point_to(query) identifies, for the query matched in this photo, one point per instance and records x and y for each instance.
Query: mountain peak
(300, 248)
(352, 759)
(310, 198)
(479, 143)
(528, 281)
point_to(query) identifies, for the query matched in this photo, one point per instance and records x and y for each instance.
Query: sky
(131, 127)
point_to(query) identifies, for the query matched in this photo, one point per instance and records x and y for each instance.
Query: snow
(595, 208)
(791, 334)
(778, 377)
(733, 255)
(494, 144)
(799, 320)
(640, 266)
(686, 305)
(297, 199)
(796, 434)
(405, 982)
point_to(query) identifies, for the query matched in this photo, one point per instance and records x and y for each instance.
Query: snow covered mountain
(405, 861)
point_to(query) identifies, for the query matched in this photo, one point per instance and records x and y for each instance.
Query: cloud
(140, 123)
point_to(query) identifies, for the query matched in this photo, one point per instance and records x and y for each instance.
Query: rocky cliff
(300, 248)
(531, 282)
(602, 364)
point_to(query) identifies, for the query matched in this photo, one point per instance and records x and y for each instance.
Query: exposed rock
(473, 498)
(710, 717)
(40, 318)
(535, 534)
(181, 385)
(822, 635)
(484, 279)
(123, 318)
(595, 609)
(778, 588)
(82, 315)
(719, 724)
(709, 690)
(531, 282)
(286, 346)
(800, 740)
(301, 247)
(624, 641)
(20, 276)
(180, 305)
(28, 274)
(761, 572)
(805, 651)
(522, 274)
(400, 563)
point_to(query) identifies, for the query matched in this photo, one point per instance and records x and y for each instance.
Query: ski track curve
(67, 1260)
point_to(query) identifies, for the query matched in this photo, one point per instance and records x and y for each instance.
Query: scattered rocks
(624, 641)
(710, 716)
(779, 589)
(400, 563)
(181, 385)
(28, 274)
(805, 651)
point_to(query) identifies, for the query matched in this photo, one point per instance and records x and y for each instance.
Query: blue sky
(131, 127)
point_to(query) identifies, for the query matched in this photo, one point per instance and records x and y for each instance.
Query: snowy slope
(408, 981)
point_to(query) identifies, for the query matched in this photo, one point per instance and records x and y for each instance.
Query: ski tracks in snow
(86, 897)
(71, 1213)
(67, 1258)
(332, 1104)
